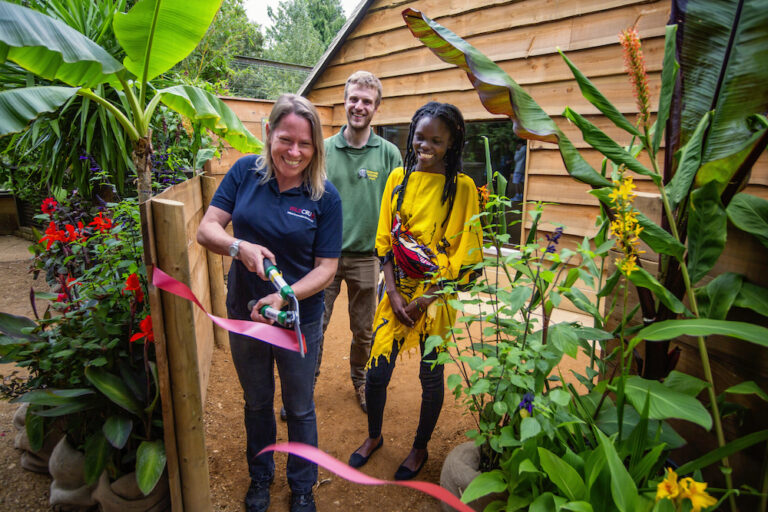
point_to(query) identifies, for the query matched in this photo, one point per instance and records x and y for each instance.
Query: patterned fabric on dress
(425, 253)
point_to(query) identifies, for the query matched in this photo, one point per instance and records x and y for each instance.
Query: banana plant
(154, 34)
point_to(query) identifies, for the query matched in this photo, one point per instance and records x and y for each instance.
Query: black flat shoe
(403, 473)
(356, 460)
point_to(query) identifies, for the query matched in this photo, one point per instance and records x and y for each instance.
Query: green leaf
(721, 172)
(665, 402)
(669, 329)
(544, 503)
(97, 453)
(117, 429)
(690, 161)
(560, 396)
(157, 34)
(596, 98)
(20, 106)
(529, 427)
(484, 484)
(51, 49)
(114, 388)
(515, 299)
(14, 326)
(562, 475)
(684, 383)
(658, 239)
(203, 107)
(34, 425)
(623, 488)
(750, 214)
(748, 388)
(577, 506)
(53, 396)
(499, 93)
(150, 463)
(707, 225)
(722, 292)
(640, 277)
(607, 146)
(564, 338)
(754, 297)
(593, 334)
(669, 70)
(716, 455)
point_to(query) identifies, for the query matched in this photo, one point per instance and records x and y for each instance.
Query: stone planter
(459, 469)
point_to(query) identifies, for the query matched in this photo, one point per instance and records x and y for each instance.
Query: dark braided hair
(454, 121)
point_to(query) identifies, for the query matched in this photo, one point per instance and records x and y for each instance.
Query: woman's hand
(400, 309)
(416, 308)
(252, 256)
(273, 300)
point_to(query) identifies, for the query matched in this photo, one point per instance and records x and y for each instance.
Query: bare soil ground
(342, 425)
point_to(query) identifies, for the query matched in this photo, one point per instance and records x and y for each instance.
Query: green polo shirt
(360, 174)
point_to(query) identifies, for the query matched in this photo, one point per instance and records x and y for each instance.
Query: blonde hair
(364, 79)
(314, 175)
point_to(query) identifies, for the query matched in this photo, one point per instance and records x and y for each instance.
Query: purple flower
(527, 403)
(553, 239)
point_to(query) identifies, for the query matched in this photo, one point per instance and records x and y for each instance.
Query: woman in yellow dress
(424, 240)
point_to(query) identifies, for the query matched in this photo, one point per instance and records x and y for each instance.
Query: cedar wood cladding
(522, 37)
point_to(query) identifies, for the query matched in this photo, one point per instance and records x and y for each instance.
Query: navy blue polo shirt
(290, 224)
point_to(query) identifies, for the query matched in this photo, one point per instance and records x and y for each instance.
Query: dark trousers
(432, 393)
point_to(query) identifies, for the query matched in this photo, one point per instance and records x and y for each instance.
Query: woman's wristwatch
(234, 248)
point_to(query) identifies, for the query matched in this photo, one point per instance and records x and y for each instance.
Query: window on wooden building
(508, 153)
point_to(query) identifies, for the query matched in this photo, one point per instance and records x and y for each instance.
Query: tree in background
(300, 33)
(230, 34)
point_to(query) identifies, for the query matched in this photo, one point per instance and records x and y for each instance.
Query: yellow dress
(450, 248)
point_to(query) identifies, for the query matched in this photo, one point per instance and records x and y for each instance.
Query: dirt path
(342, 425)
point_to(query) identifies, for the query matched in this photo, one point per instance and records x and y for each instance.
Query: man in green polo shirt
(358, 163)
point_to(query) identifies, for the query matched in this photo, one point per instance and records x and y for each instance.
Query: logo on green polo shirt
(367, 173)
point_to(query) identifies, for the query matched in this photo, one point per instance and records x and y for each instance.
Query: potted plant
(90, 355)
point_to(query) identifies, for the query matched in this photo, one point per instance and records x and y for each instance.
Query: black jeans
(432, 393)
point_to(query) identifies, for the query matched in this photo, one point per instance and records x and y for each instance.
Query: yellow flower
(628, 264)
(696, 492)
(668, 487)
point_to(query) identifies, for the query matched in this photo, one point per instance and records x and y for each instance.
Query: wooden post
(161, 354)
(172, 257)
(215, 271)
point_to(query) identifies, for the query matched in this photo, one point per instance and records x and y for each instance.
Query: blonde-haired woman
(282, 208)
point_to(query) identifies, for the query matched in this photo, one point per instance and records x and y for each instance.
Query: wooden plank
(587, 31)
(579, 220)
(600, 61)
(546, 161)
(566, 190)
(552, 97)
(215, 271)
(760, 171)
(161, 355)
(171, 239)
(187, 193)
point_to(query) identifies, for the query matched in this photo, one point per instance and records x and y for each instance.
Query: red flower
(132, 284)
(103, 224)
(48, 206)
(52, 235)
(146, 330)
(61, 297)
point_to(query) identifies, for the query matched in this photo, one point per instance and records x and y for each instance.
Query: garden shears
(288, 319)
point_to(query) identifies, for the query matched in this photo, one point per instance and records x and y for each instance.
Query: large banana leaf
(20, 106)
(723, 65)
(157, 34)
(51, 49)
(203, 107)
(499, 93)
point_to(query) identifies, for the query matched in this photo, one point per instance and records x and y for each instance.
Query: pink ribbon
(321, 458)
(276, 336)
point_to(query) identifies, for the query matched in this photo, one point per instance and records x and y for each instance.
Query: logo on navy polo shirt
(302, 213)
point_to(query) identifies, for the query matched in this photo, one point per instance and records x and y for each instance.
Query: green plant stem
(703, 353)
(140, 123)
(121, 117)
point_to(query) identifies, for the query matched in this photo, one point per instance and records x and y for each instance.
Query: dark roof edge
(354, 20)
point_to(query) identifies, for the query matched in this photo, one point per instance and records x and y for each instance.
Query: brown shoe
(360, 390)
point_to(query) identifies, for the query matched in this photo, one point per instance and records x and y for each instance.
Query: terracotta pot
(69, 491)
(459, 469)
(123, 495)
